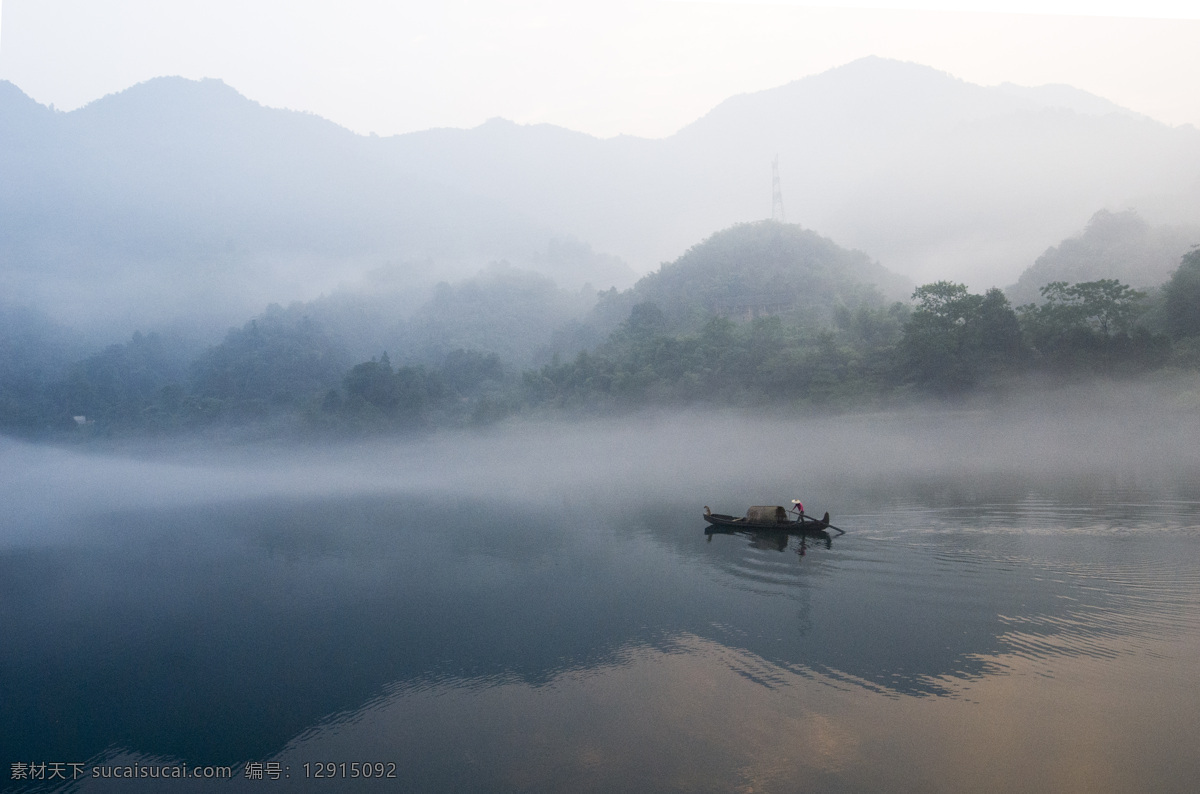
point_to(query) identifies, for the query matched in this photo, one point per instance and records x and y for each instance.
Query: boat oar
(826, 525)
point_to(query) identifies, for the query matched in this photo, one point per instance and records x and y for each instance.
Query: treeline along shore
(759, 315)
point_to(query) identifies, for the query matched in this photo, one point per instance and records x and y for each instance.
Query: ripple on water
(1033, 579)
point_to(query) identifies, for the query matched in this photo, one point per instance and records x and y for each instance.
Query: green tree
(276, 360)
(1090, 325)
(374, 383)
(1181, 298)
(872, 326)
(954, 338)
(467, 370)
(994, 334)
(1106, 307)
(132, 385)
(397, 398)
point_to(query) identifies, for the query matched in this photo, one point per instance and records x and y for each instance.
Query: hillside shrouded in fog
(1112, 245)
(178, 201)
(765, 314)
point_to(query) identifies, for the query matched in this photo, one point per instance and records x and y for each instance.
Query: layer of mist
(1101, 433)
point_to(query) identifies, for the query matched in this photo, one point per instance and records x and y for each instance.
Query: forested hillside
(762, 314)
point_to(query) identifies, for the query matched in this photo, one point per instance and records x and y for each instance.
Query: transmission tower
(777, 213)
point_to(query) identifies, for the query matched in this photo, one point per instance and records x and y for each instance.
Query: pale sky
(641, 67)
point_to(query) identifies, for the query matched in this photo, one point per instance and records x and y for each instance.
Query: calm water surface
(971, 633)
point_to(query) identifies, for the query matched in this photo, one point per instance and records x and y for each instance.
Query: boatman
(798, 507)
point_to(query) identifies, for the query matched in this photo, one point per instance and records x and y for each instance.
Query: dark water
(965, 634)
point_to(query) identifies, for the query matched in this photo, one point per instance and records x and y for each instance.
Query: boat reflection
(774, 539)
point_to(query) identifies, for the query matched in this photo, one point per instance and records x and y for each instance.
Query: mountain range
(933, 176)
(178, 198)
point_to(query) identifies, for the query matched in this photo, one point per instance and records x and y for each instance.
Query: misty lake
(1015, 606)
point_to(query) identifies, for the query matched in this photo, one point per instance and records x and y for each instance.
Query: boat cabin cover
(767, 514)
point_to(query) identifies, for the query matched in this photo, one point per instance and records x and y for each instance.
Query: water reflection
(534, 651)
(777, 539)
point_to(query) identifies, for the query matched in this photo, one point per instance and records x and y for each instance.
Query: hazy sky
(620, 66)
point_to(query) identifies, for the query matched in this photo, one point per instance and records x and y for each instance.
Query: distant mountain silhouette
(934, 176)
(178, 196)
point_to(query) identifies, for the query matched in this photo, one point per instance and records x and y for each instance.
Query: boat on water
(772, 518)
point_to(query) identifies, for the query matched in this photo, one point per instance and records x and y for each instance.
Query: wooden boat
(773, 519)
(774, 538)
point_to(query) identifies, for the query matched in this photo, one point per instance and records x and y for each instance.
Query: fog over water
(1096, 433)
